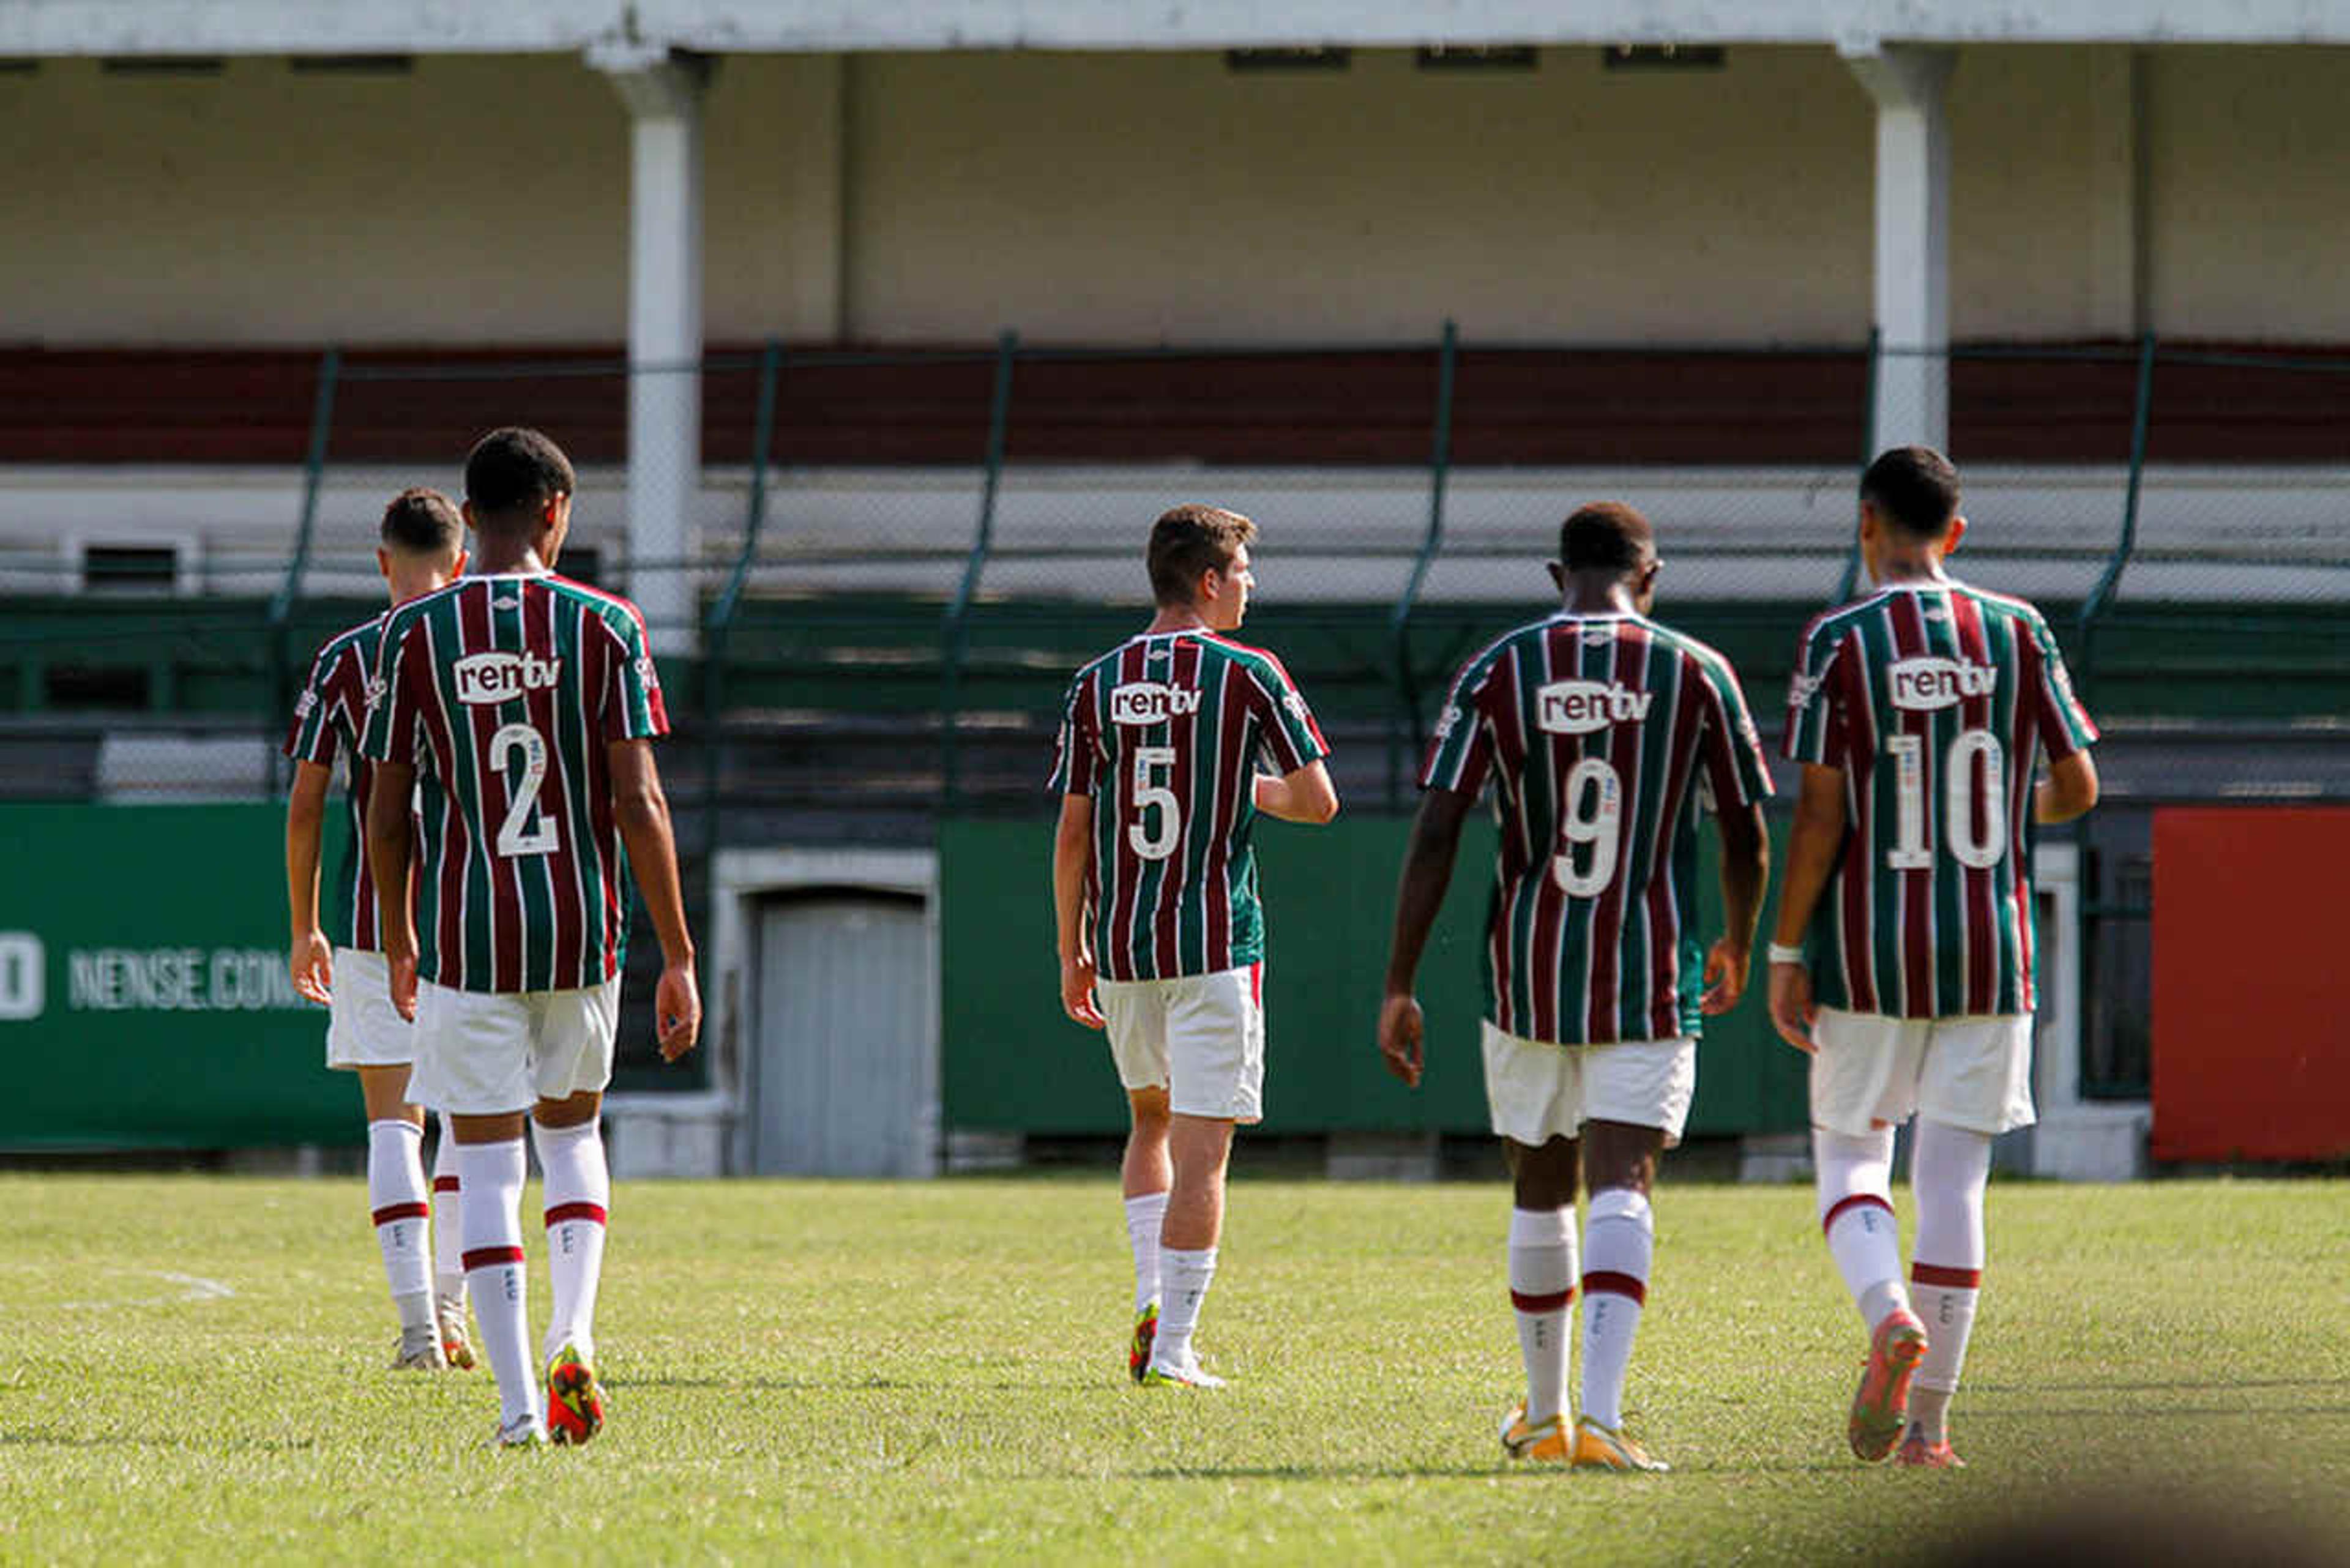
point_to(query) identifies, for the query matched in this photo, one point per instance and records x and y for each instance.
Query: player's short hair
(1189, 540)
(1605, 536)
(511, 474)
(1915, 488)
(422, 522)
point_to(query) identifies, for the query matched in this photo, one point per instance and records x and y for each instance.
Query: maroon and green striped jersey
(1606, 738)
(327, 719)
(1164, 733)
(504, 691)
(1934, 701)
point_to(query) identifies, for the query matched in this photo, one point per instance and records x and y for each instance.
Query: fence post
(2109, 582)
(720, 621)
(1851, 578)
(281, 604)
(958, 629)
(1439, 470)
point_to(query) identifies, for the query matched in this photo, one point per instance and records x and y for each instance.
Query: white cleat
(525, 1431)
(1185, 1373)
(420, 1351)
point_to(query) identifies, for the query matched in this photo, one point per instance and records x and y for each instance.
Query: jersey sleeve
(1816, 718)
(1291, 738)
(1076, 759)
(631, 702)
(1734, 753)
(1462, 752)
(312, 738)
(2065, 726)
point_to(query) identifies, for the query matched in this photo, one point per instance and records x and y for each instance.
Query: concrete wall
(1140, 198)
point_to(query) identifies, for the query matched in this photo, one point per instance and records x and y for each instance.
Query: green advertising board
(144, 999)
(1014, 1063)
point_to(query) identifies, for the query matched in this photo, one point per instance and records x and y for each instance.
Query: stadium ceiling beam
(122, 27)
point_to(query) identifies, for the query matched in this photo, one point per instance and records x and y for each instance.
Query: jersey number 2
(1591, 813)
(1975, 844)
(524, 830)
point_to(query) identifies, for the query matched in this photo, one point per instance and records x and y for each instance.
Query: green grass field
(193, 1368)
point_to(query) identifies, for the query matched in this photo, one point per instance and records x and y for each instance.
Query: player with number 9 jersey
(505, 692)
(1933, 699)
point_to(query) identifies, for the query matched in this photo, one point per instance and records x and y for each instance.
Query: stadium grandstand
(881, 333)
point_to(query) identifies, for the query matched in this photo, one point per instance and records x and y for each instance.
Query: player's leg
(571, 1061)
(1531, 1094)
(471, 1061)
(1215, 1053)
(1134, 1015)
(447, 1251)
(1864, 1077)
(403, 1215)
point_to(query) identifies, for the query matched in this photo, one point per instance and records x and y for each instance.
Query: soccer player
(521, 708)
(1606, 736)
(422, 548)
(1902, 957)
(1160, 936)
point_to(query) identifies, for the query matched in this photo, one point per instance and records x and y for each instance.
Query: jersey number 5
(524, 830)
(1156, 841)
(1975, 844)
(1591, 814)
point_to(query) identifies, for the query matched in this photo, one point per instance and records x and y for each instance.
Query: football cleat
(523, 1432)
(1881, 1405)
(575, 1406)
(449, 1314)
(1547, 1441)
(1920, 1454)
(418, 1350)
(1146, 1330)
(1599, 1447)
(1186, 1373)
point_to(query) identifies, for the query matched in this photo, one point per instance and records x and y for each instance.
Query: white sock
(1183, 1278)
(403, 1217)
(1542, 1290)
(1855, 1209)
(449, 1251)
(577, 1194)
(493, 1174)
(1619, 1234)
(1949, 1168)
(1144, 1216)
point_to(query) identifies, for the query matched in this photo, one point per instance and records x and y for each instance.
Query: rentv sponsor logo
(1149, 702)
(502, 677)
(1579, 707)
(1924, 684)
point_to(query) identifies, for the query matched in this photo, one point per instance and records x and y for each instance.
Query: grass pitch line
(192, 1288)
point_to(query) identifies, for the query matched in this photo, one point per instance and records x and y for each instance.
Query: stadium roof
(122, 27)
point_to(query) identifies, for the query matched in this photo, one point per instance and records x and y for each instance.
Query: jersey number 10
(1977, 838)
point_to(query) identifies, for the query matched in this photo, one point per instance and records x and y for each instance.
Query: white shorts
(362, 1029)
(1538, 1091)
(482, 1053)
(1971, 1073)
(1201, 1037)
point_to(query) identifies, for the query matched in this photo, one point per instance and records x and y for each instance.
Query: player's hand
(1726, 966)
(312, 964)
(1401, 1035)
(403, 970)
(1792, 1012)
(677, 1011)
(1078, 992)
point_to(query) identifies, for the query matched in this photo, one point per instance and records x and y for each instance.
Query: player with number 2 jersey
(1903, 958)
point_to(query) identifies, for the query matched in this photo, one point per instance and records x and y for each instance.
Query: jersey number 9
(1591, 817)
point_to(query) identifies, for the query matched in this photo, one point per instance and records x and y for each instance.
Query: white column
(663, 93)
(1913, 238)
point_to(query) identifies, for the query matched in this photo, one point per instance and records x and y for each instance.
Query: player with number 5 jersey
(518, 708)
(1160, 937)
(1903, 956)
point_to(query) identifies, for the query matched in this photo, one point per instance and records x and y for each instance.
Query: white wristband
(1780, 952)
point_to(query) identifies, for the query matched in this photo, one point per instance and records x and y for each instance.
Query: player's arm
(1812, 848)
(390, 845)
(309, 959)
(1427, 872)
(1745, 870)
(1073, 838)
(640, 811)
(2069, 790)
(1306, 795)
